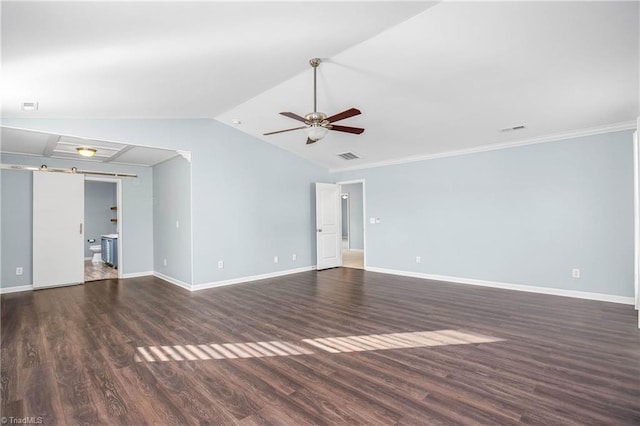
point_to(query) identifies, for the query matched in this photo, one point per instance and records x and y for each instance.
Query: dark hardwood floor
(70, 355)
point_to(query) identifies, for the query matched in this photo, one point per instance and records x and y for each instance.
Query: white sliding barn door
(328, 229)
(58, 229)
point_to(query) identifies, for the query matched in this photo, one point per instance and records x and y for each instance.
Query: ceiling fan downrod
(314, 63)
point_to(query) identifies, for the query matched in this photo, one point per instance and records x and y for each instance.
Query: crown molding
(627, 125)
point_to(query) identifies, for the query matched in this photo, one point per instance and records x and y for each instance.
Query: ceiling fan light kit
(316, 132)
(318, 124)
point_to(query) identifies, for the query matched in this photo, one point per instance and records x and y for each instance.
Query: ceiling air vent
(29, 106)
(511, 129)
(348, 156)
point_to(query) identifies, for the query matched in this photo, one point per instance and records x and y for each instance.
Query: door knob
(319, 230)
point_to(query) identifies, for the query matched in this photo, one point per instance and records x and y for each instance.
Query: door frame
(636, 218)
(364, 213)
(348, 218)
(119, 223)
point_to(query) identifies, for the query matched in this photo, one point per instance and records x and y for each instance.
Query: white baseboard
(88, 258)
(359, 250)
(173, 281)
(16, 289)
(507, 286)
(204, 286)
(184, 285)
(137, 274)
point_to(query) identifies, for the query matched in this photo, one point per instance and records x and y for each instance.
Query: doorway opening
(102, 219)
(353, 241)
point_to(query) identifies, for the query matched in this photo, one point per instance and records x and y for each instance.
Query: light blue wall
(251, 200)
(17, 204)
(172, 219)
(525, 215)
(99, 197)
(356, 226)
(17, 196)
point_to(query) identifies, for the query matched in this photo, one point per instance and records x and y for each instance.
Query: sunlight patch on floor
(369, 342)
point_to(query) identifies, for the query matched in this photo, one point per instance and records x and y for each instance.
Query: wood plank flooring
(68, 355)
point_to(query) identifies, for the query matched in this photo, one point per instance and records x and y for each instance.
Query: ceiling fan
(317, 124)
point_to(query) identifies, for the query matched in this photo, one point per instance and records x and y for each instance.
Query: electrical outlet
(372, 220)
(165, 261)
(418, 259)
(220, 264)
(294, 257)
(575, 273)
(19, 270)
(275, 259)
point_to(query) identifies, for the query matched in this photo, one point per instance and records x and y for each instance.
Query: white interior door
(58, 234)
(328, 229)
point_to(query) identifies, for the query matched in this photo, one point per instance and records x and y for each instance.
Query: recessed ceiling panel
(68, 147)
(24, 142)
(145, 156)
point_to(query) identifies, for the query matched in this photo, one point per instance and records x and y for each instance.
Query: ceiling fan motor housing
(316, 117)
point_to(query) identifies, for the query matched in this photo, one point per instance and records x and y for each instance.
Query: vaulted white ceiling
(429, 78)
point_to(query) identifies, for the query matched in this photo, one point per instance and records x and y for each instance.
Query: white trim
(359, 250)
(507, 286)
(191, 245)
(16, 289)
(241, 280)
(136, 274)
(185, 154)
(627, 125)
(348, 218)
(88, 258)
(636, 221)
(173, 281)
(119, 224)
(364, 215)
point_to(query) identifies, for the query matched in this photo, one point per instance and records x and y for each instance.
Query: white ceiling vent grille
(511, 129)
(348, 156)
(29, 106)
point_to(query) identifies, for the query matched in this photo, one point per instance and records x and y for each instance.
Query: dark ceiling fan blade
(282, 131)
(294, 116)
(344, 114)
(309, 141)
(356, 130)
